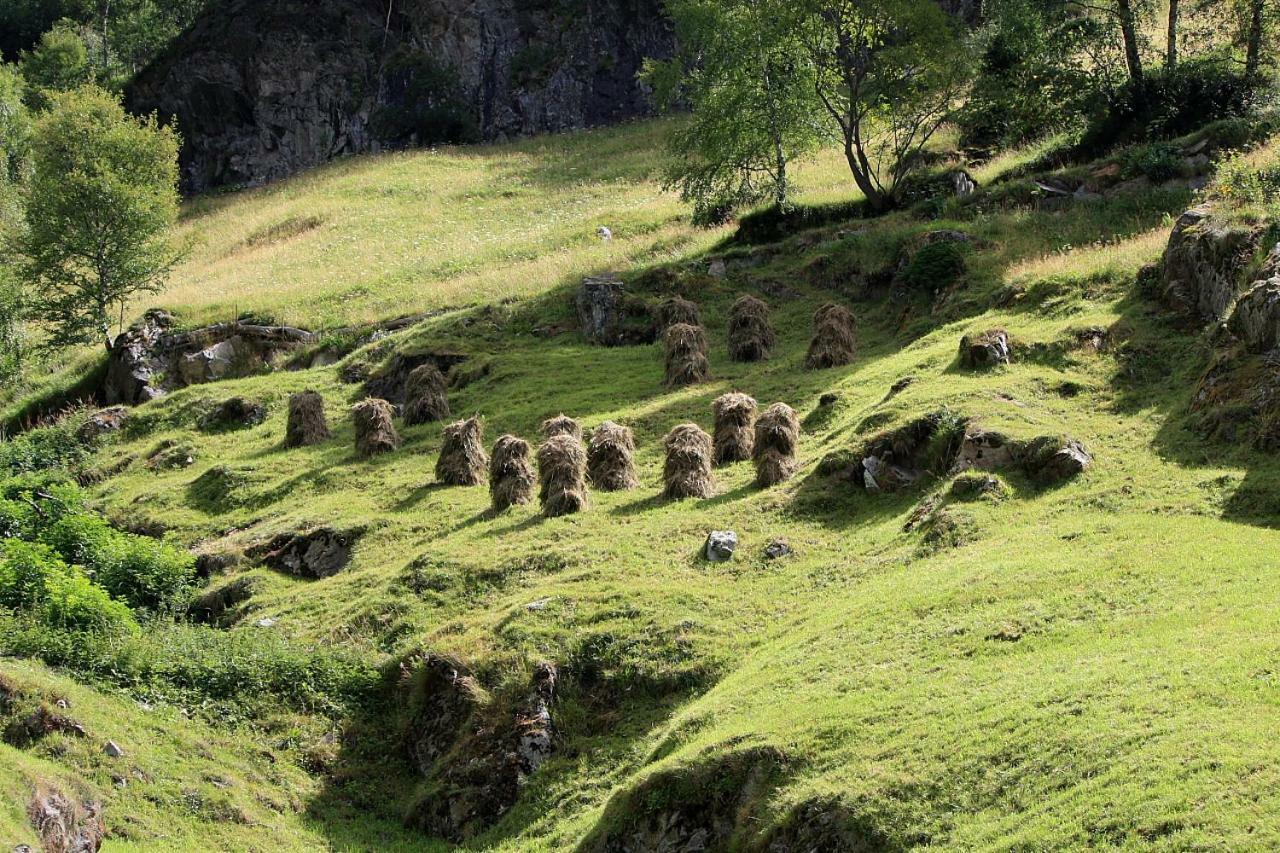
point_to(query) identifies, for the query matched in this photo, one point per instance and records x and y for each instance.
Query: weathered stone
(777, 549)
(611, 316)
(1050, 461)
(720, 546)
(318, 553)
(265, 88)
(984, 450)
(1205, 263)
(233, 413)
(985, 350)
(102, 423)
(113, 749)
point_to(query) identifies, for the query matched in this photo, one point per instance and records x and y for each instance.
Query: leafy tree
(102, 201)
(888, 73)
(15, 141)
(59, 62)
(750, 87)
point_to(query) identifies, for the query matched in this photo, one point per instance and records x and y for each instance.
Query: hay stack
(307, 424)
(561, 425)
(375, 433)
(426, 396)
(677, 309)
(687, 472)
(611, 458)
(511, 477)
(462, 461)
(735, 416)
(833, 344)
(686, 355)
(751, 337)
(777, 435)
(562, 473)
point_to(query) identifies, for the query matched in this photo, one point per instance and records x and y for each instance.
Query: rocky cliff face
(263, 88)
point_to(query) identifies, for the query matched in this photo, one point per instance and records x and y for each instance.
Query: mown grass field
(1082, 666)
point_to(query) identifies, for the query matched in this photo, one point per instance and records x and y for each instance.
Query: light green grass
(1094, 665)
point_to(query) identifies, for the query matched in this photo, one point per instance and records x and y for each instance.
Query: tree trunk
(1171, 51)
(1253, 55)
(1129, 30)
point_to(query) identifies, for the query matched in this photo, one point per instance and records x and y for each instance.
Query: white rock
(720, 546)
(113, 749)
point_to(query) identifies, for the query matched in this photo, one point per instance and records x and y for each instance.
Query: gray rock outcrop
(1205, 263)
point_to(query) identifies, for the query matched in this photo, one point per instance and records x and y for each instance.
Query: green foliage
(103, 198)
(1241, 184)
(51, 447)
(934, 267)
(59, 63)
(35, 581)
(743, 75)
(1158, 161)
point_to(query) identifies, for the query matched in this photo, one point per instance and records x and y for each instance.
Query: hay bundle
(511, 477)
(833, 344)
(677, 309)
(561, 425)
(375, 433)
(735, 416)
(426, 396)
(307, 424)
(751, 337)
(687, 472)
(462, 461)
(611, 458)
(777, 435)
(686, 355)
(562, 473)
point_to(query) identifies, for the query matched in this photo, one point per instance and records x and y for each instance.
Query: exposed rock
(968, 487)
(720, 546)
(64, 825)
(1050, 460)
(777, 549)
(1205, 263)
(963, 184)
(113, 749)
(234, 413)
(220, 605)
(150, 358)
(103, 422)
(1256, 318)
(611, 316)
(893, 461)
(169, 455)
(984, 450)
(265, 88)
(319, 553)
(718, 268)
(988, 349)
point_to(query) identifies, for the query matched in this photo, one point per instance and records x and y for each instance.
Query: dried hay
(426, 395)
(777, 436)
(611, 458)
(686, 360)
(562, 474)
(307, 424)
(677, 309)
(833, 338)
(735, 416)
(375, 433)
(561, 424)
(687, 471)
(751, 336)
(463, 461)
(511, 477)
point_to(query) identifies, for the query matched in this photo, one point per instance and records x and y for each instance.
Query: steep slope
(976, 659)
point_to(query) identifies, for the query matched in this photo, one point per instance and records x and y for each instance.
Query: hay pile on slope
(735, 416)
(375, 433)
(463, 461)
(677, 309)
(611, 458)
(833, 344)
(561, 424)
(307, 423)
(511, 477)
(562, 473)
(426, 395)
(777, 435)
(751, 336)
(686, 355)
(687, 471)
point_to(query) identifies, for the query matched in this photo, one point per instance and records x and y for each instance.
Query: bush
(1158, 161)
(34, 580)
(1167, 103)
(144, 573)
(934, 267)
(47, 448)
(1240, 183)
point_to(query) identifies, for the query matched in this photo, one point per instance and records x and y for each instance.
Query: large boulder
(1256, 318)
(985, 350)
(152, 357)
(318, 553)
(611, 316)
(264, 88)
(1206, 262)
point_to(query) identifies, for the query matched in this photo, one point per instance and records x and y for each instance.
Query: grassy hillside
(1092, 664)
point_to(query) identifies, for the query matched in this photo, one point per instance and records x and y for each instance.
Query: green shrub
(34, 580)
(1158, 161)
(1240, 183)
(935, 266)
(46, 448)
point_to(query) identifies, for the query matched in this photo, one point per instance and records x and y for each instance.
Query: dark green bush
(1168, 103)
(774, 223)
(934, 267)
(1158, 161)
(50, 447)
(34, 580)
